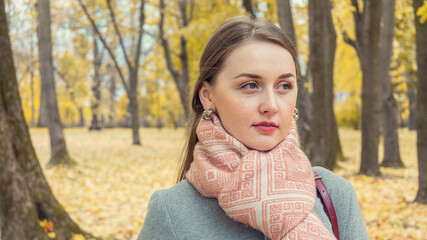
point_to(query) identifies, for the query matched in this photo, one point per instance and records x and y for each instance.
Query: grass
(107, 192)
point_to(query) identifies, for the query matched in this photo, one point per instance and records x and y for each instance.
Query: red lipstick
(266, 126)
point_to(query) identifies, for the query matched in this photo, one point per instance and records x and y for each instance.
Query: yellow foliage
(78, 237)
(342, 14)
(51, 235)
(27, 98)
(348, 113)
(422, 12)
(347, 86)
(403, 67)
(386, 202)
(72, 86)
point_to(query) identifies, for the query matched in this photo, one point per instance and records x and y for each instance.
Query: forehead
(259, 55)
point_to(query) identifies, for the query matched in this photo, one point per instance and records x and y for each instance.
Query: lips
(266, 126)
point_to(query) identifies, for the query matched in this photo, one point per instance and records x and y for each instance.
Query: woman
(243, 176)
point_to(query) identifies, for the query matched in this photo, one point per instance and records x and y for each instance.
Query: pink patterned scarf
(273, 192)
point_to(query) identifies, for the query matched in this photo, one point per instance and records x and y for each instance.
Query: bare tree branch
(141, 31)
(192, 4)
(357, 13)
(348, 40)
(101, 56)
(111, 53)
(183, 56)
(352, 43)
(165, 43)
(116, 28)
(151, 35)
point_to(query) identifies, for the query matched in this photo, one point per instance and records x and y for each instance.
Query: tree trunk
(78, 107)
(367, 24)
(286, 22)
(33, 109)
(59, 153)
(322, 54)
(96, 99)
(421, 103)
(17, 210)
(81, 117)
(370, 89)
(133, 66)
(133, 106)
(112, 109)
(24, 193)
(184, 86)
(411, 117)
(42, 120)
(304, 101)
(390, 113)
(182, 78)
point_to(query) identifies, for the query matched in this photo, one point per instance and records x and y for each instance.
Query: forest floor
(107, 192)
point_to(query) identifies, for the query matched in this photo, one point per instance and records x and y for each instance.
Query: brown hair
(228, 36)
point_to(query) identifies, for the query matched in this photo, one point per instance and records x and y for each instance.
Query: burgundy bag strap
(327, 203)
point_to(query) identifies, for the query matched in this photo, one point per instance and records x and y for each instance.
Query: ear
(206, 97)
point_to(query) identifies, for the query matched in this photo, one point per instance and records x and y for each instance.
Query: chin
(262, 147)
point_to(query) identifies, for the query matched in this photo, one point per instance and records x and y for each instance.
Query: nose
(268, 103)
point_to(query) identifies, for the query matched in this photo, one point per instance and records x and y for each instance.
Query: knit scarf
(273, 192)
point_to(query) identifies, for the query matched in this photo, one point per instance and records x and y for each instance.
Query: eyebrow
(251, 75)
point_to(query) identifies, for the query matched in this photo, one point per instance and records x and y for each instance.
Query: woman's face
(254, 94)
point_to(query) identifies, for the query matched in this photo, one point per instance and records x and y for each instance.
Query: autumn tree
(390, 112)
(43, 115)
(111, 102)
(322, 54)
(24, 192)
(404, 74)
(89, 50)
(75, 85)
(58, 148)
(132, 62)
(182, 76)
(22, 38)
(367, 26)
(96, 91)
(421, 102)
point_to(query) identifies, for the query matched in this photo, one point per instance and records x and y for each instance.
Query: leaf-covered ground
(107, 192)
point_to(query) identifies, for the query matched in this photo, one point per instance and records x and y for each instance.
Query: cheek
(230, 105)
(235, 115)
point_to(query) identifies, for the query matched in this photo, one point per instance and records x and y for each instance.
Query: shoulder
(340, 190)
(181, 212)
(181, 201)
(335, 184)
(183, 198)
(344, 198)
(179, 190)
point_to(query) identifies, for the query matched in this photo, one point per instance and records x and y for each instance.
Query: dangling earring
(207, 114)
(296, 114)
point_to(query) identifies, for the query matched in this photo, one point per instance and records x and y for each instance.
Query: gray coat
(182, 213)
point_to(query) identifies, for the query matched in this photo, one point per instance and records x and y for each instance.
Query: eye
(285, 86)
(250, 85)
